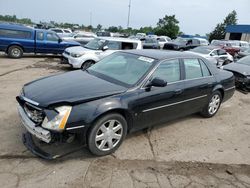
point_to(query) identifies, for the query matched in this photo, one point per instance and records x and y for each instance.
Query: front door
(160, 104)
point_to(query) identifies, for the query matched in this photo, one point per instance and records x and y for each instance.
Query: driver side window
(51, 37)
(168, 70)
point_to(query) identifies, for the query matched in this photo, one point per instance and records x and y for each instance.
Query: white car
(62, 32)
(163, 40)
(96, 49)
(214, 54)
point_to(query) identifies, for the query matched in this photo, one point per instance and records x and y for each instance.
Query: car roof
(120, 39)
(15, 26)
(162, 54)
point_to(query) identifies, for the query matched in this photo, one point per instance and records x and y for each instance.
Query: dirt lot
(189, 152)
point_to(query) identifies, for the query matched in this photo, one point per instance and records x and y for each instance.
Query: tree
(99, 27)
(168, 26)
(219, 31)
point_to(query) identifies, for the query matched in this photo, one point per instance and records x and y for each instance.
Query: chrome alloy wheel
(108, 135)
(214, 104)
(16, 52)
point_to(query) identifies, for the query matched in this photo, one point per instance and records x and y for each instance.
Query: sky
(195, 16)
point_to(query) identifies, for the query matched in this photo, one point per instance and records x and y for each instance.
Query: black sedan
(241, 71)
(124, 92)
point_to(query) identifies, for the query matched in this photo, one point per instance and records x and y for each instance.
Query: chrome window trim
(178, 58)
(77, 127)
(30, 101)
(172, 104)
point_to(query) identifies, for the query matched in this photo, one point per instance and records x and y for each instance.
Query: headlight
(59, 121)
(76, 55)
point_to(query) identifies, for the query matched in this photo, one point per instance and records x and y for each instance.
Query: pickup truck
(18, 39)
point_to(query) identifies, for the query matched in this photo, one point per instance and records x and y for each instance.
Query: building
(238, 32)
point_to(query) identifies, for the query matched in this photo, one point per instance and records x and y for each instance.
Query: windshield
(124, 68)
(244, 60)
(201, 50)
(95, 44)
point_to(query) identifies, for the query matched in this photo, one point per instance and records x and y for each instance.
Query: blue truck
(18, 39)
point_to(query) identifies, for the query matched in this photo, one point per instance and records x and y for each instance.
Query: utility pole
(129, 7)
(90, 18)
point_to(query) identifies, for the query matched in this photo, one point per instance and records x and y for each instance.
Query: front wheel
(213, 105)
(87, 64)
(107, 134)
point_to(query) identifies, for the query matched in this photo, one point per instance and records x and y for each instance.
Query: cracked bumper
(38, 132)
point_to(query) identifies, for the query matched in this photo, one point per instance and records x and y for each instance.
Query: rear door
(198, 84)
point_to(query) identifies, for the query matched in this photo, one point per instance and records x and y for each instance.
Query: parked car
(228, 46)
(18, 39)
(84, 37)
(182, 44)
(241, 71)
(124, 92)
(163, 40)
(62, 32)
(214, 54)
(96, 49)
(150, 43)
(244, 53)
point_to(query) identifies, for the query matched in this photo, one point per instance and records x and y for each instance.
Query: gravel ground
(188, 152)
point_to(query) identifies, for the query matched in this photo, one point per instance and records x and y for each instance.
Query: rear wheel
(15, 52)
(87, 64)
(107, 134)
(213, 105)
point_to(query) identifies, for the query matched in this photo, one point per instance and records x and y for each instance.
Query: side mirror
(105, 48)
(212, 54)
(60, 40)
(157, 82)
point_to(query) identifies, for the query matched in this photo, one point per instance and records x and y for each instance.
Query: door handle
(178, 91)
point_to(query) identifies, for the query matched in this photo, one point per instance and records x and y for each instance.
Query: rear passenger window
(192, 68)
(127, 45)
(39, 36)
(168, 70)
(15, 34)
(113, 45)
(205, 71)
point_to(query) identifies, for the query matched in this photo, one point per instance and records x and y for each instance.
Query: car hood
(78, 50)
(72, 87)
(70, 43)
(237, 67)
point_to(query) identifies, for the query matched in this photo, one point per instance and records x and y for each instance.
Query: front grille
(169, 47)
(34, 113)
(66, 52)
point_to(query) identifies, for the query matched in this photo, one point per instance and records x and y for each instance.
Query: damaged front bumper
(42, 135)
(31, 127)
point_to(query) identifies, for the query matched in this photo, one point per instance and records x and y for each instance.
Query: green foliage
(14, 19)
(168, 26)
(219, 31)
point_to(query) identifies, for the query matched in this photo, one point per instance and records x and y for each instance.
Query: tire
(213, 105)
(87, 64)
(226, 62)
(15, 52)
(102, 140)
